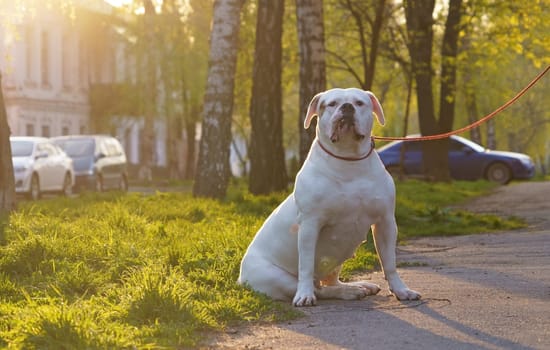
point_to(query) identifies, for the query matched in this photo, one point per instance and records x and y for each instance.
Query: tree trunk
(491, 134)
(147, 149)
(173, 122)
(191, 159)
(405, 124)
(7, 182)
(311, 37)
(375, 39)
(447, 97)
(419, 27)
(470, 80)
(471, 109)
(358, 17)
(267, 156)
(213, 171)
(174, 143)
(369, 18)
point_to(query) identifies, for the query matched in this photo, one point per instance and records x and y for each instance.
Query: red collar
(349, 159)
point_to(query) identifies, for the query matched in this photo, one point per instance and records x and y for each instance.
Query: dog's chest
(356, 202)
(352, 211)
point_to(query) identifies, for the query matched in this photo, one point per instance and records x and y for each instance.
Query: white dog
(341, 191)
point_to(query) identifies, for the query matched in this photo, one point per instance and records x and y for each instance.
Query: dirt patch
(527, 200)
(485, 291)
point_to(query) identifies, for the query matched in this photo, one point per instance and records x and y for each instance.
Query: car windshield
(476, 147)
(21, 148)
(77, 148)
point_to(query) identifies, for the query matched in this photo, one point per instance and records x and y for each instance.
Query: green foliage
(156, 271)
(504, 45)
(108, 100)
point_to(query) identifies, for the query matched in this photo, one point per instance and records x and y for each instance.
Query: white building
(45, 73)
(50, 58)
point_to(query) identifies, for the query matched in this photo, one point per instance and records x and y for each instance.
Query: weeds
(133, 271)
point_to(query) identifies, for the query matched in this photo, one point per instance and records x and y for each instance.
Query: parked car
(467, 161)
(99, 161)
(39, 166)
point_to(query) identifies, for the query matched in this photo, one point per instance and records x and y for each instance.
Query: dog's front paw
(399, 289)
(304, 298)
(406, 294)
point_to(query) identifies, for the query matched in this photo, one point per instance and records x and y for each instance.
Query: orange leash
(473, 125)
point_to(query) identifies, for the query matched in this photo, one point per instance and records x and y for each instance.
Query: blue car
(99, 161)
(467, 161)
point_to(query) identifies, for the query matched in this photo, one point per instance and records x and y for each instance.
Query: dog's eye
(332, 104)
(359, 103)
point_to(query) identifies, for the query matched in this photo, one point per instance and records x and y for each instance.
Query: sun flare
(118, 3)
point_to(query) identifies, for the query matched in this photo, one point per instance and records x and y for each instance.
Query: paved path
(488, 291)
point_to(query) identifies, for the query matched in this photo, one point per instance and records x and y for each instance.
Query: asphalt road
(484, 291)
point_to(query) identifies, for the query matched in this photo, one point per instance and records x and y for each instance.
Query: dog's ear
(312, 110)
(377, 108)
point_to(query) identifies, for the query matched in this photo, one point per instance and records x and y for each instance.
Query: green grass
(541, 177)
(158, 271)
(423, 209)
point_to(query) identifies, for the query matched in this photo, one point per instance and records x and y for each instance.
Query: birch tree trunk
(7, 182)
(213, 170)
(311, 37)
(267, 155)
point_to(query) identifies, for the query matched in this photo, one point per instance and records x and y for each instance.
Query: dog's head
(345, 115)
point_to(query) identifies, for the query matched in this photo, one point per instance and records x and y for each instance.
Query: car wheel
(499, 172)
(99, 184)
(34, 192)
(67, 186)
(123, 184)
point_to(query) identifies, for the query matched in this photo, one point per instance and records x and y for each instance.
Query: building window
(65, 130)
(45, 58)
(45, 130)
(29, 128)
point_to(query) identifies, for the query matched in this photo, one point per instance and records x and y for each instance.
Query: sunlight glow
(118, 3)
(137, 5)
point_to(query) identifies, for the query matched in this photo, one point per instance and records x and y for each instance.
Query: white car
(40, 166)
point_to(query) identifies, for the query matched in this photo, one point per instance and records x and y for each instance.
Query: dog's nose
(347, 108)
(348, 114)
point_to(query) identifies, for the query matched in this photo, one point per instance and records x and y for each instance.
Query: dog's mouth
(345, 125)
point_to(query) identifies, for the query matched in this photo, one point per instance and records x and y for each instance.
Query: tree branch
(347, 67)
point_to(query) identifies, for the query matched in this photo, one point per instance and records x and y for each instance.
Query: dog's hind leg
(264, 277)
(331, 288)
(342, 291)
